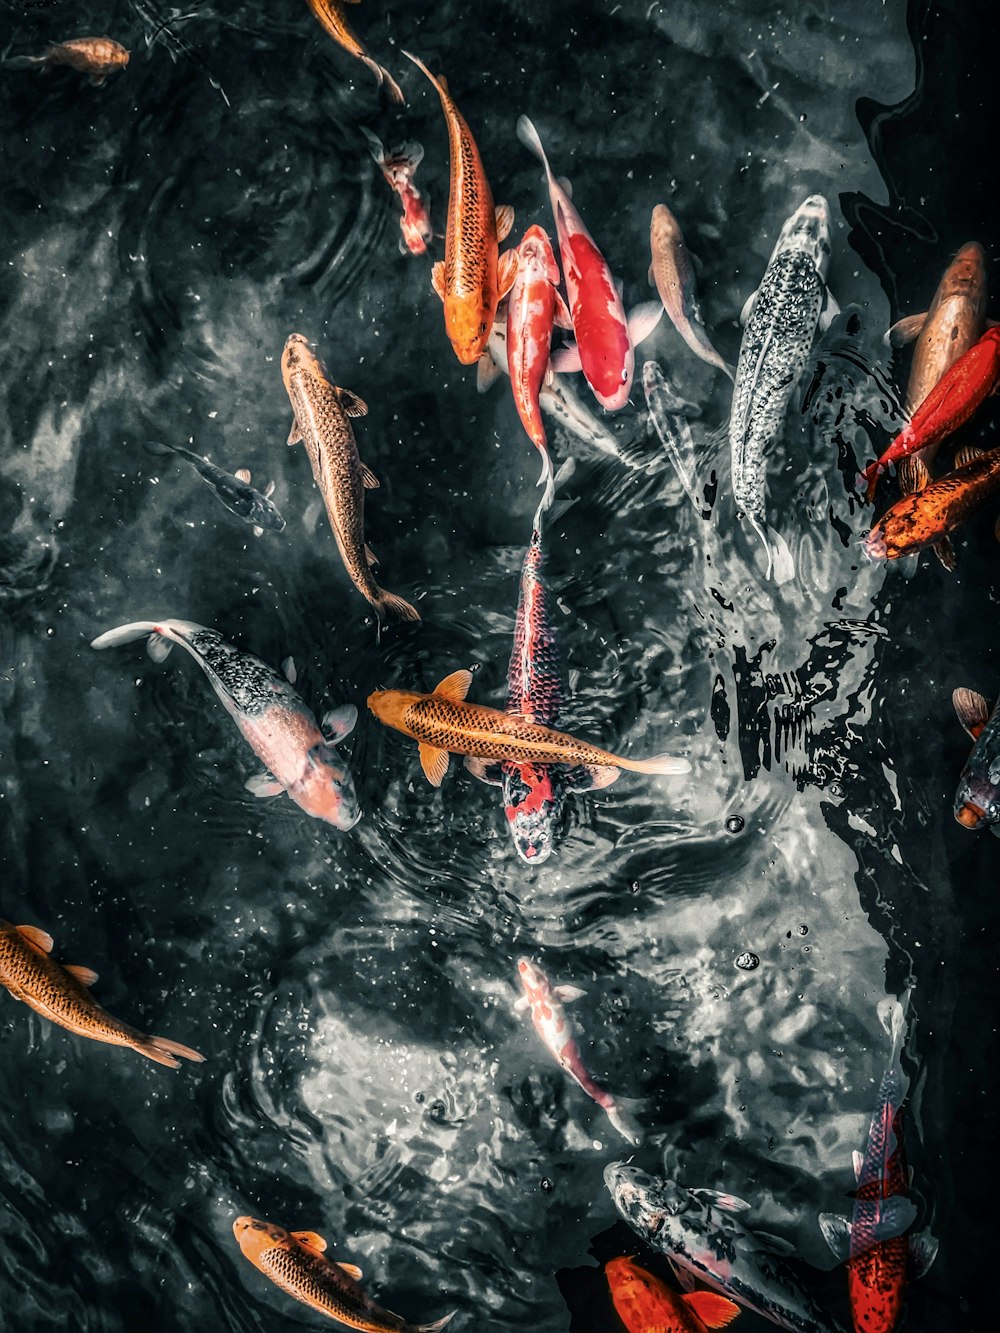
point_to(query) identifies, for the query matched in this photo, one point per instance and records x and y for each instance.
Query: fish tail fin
(620, 1115)
(387, 83)
(391, 607)
(166, 1052)
(548, 478)
(375, 145)
(438, 1324)
(112, 638)
(22, 62)
(528, 135)
(892, 1016)
(783, 561)
(660, 763)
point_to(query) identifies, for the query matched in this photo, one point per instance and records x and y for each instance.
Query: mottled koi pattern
(922, 518)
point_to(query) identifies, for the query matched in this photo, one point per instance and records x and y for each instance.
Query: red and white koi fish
(545, 1002)
(605, 338)
(399, 167)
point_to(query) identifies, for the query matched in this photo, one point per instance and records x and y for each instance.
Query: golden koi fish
(330, 14)
(62, 995)
(96, 56)
(442, 723)
(473, 277)
(322, 422)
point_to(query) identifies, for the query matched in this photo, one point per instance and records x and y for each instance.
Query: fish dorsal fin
(351, 403)
(437, 278)
(86, 976)
(370, 556)
(506, 272)
(505, 220)
(969, 453)
(858, 1160)
(973, 711)
(294, 432)
(729, 1203)
(434, 762)
(311, 1238)
(369, 479)
(352, 1270)
(713, 1310)
(41, 939)
(455, 686)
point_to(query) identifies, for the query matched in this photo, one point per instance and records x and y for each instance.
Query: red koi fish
(874, 1243)
(645, 1304)
(399, 168)
(950, 404)
(605, 338)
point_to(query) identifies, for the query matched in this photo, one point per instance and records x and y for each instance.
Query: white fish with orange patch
(399, 167)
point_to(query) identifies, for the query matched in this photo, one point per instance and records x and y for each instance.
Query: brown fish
(322, 422)
(62, 995)
(96, 56)
(442, 722)
(330, 14)
(672, 274)
(295, 1262)
(924, 517)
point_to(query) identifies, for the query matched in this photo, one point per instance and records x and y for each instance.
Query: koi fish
(925, 516)
(295, 1261)
(699, 1232)
(399, 167)
(545, 1003)
(61, 994)
(274, 721)
(874, 1242)
(330, 14)
(668, 416)
(781, 321)
(958, 394)
(671, 273)
(322, 422)
(96, 56)
(233, 490)
(473, 276)
(605, 339)
(644, 1303)
(442, 723)
(977, 800)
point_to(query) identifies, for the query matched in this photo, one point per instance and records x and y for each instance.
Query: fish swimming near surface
(61, 994)
(874, 1243)
(924, 517)
(95, 56)
(605, 338)
(700, 1233)
(322, 421)
(671, 273)
(443, 723)
(301, 759)
(782, 317)
(545, 1004)
(332, 18)
(668, 417)
(399, 167)
(977, 800)
(296, 1262)
(234, 491)
(956, 397)
(473, 276)
(645, 1304)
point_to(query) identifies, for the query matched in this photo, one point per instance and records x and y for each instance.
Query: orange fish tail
(165, 1052)
(386, 81)
(391, 607)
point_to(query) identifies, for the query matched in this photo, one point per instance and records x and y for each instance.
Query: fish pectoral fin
(369, 479)
(857, 1161)
(487, 371)
(158, 648)
(748, 306)
(294, 433)
(352, 1270)
(434, 762)
(258, 531)
(643, 320)
(905, 330)
(41, 939)
(968, 453)
(86, 976)
(351, 403)
(437, 278)
(566, 360)
(728, 1203)
(506, 272)
(685, 1278)
(311, 1238)
(923, 1252)
(562, 315)
(289, 671)
(829, 311)
(713, 1310)
(338, 723)
(896, 1216)
(945, 552)
(486, 770)
(370, 556)
(455, 686)
(243, 474)
(591, 777)
(268, 490)
(566, 185)
(263, 784)
(504, 220)
(568, 993)
(837, 1234)
(522, 1004)
(775, 1244)
(972, 710)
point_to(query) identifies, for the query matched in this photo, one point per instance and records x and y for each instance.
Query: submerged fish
(233, 490)
(399, 168)
(61, 994)
(699, 1233)
(331, 16)
(668, 416)
(670, 271)
(96, 56)
(275, 723)
(473, 276)
(545, 1003)
(874, 1242)
(781, 321)
(647, 1305)
(977, 801)
(923, 517)
(442, 723)
(295, 1262)
(322, 414)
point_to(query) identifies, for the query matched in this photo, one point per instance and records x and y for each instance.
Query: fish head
(468, 322)
(326, 789)
(615, 383)
(664, 228)
(255, 1238)
(298, 358)
(531, 807)
(649, 1204)
(965, 275)
(392, 706)
(808, 230)
(534, 981)
(626, 1278)
(535, 254)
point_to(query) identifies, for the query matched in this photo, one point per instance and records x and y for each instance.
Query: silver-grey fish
(781, 321)
(233, 490)
(699, 1233)
(668, 417)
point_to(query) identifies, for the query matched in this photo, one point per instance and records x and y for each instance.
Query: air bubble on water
(747, 961)
(802, 930)
(735, 824)
(545, 1185)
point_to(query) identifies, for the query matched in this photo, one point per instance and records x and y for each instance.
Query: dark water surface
(367, 1077)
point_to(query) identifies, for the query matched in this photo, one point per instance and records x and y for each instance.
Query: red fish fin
(368, 477)
(86, 976)
(434, 762)
(455, 686)
(313, 1239)
(905, 330)
(713, 1310)
(504, 220)
(41, 939)
(295, 433)
(870, 477)
(972, 709)
(563, 318)
(437, 278)
(165, 1052)
(487, 371)
(506, 272)
(351, 403)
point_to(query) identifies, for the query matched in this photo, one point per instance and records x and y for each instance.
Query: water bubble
(735, 824)
(802, 930)
(545, 1185)
(748, 961)
(836, 789)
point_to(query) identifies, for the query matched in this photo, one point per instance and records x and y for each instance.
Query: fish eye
(624, 377)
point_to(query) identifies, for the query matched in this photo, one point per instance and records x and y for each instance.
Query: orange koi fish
(295, 1262)
(330, 14)
(925, 517)
(96, 56)
(645, 1304)
(399, 168)
(442, 723)
(473, 277)
(62, 995)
